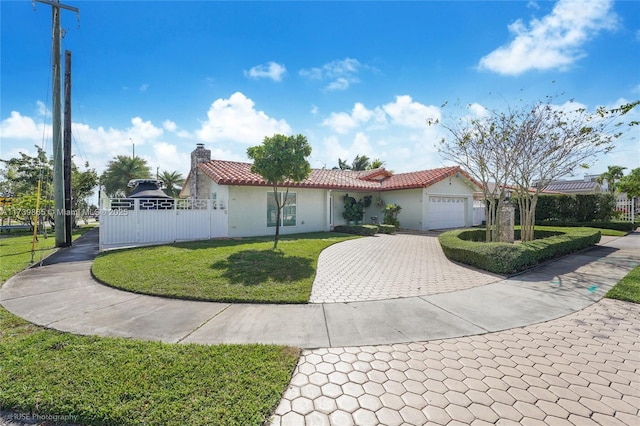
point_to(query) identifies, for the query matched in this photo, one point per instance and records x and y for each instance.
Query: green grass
(607, 232)
(628, 288)
(246, 270)
(15, 250)
(114, 381)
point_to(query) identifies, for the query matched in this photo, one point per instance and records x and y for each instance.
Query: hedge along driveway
(466, 246)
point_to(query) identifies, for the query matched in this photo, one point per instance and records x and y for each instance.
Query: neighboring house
(430, 199)
(588, 185)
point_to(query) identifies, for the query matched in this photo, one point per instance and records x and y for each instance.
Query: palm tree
(361, 162)
(377, 163)
(173, 182)
(612, 176)
(120, 171)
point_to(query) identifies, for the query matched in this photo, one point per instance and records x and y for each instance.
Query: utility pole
(58, 173)
(67, 148)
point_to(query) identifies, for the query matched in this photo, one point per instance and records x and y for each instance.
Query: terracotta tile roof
(236, 173)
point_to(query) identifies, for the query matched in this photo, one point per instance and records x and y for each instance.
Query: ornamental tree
(527, 148)
(281, 160)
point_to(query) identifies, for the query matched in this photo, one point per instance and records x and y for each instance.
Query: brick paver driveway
(583, 369)
(389, 267)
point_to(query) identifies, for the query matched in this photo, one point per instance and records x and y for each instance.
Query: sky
(354, 77)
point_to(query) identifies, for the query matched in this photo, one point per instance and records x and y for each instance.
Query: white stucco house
(430, 199)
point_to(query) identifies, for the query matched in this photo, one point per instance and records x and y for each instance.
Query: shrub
(576, 208)
(386, 229)
(391, 215)
(366, 230)
(466, 246)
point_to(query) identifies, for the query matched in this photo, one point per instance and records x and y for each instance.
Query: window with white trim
(289, 209)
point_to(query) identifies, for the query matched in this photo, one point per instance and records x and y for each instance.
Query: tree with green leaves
(20, 175)
(611, 176)
(359, 163)
(172, 182)
(120, 171)
(527, 148)
(281, 160)
(630, 184)
(19, 178)
(83, 185)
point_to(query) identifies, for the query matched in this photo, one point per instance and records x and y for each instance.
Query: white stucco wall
(247, 206)
(410, 200)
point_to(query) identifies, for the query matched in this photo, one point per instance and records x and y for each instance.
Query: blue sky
(353, 77)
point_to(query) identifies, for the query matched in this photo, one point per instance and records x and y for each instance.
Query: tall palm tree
(120, 171)
(612, 176)
(173, 182)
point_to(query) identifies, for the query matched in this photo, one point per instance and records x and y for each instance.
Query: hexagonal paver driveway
(583, 369)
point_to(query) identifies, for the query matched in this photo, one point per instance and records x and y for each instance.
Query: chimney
(199, 184)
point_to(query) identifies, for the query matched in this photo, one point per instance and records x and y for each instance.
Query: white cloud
(477, 110)
(340, 83)
(18, 126)
(271, 70)
(172, 127)
(553, 42)
(314, 110)
(167, 157)
(42, 109)
(236, 120)
(343, 122)
(405, 112)
(340, 73)
(169, 125)
(144, 87)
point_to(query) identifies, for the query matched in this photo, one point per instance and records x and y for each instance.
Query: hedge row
(574, 207)
(366, 230)
(465, 246)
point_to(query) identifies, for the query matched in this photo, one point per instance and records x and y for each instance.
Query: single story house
(430, 199)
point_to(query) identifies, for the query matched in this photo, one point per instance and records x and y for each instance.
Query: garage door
(446, 212)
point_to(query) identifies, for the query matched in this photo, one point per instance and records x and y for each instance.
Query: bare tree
(554, 141)
(483, 147)
(527, 148)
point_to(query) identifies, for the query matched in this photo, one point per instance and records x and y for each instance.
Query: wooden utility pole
(67, 148)
(58, 173)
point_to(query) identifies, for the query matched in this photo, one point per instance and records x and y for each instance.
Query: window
(288, 216)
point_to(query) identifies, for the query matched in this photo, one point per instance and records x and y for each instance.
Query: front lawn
(245, 270)
(115, 381)
(628, 288)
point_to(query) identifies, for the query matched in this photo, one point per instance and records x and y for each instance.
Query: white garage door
(446, 212)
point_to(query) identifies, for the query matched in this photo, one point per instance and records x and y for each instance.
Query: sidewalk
(63, 295)
(540, 348)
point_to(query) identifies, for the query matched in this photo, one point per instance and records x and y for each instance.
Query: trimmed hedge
(618, 226)
(386, 229)
(466, 246)
(366, 230)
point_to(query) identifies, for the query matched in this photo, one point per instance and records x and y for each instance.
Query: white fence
(129, 222)
(628, 209)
